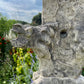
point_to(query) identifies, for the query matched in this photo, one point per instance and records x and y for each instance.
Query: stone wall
(61, 10)
(60, 51)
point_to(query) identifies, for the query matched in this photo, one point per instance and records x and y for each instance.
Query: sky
(20, 9)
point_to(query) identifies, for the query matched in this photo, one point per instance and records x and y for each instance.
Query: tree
(5, 25)
(36, 20)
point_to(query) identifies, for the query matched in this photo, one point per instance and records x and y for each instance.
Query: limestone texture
(59, 42)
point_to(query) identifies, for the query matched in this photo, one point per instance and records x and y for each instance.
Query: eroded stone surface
(61, 10)
(59, 43)
(60, 51)
(56, 80)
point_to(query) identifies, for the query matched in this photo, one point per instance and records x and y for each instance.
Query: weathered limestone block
(59, 43)
(60, 51)
(56, 80)
(61, 10)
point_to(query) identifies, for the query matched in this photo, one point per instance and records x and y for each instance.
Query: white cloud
(18, 10)
(33, 1)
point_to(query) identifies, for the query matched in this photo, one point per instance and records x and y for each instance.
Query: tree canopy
(36, 20)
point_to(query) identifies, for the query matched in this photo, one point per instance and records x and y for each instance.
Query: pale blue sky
(20, 9)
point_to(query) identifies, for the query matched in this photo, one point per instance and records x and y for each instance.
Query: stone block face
(55, 80)
(50, 8)
(60, 52)
(59, 10)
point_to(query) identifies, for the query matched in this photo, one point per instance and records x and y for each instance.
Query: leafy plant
(4, 48)
(6, 61)
(26, 64)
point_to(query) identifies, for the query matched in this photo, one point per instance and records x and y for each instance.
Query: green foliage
(6, 70)
(6, 61)
(25, 63)
(5, 25)
(36, 20)
(4, 48)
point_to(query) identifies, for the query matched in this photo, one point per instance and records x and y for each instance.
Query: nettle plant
(25, 64)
